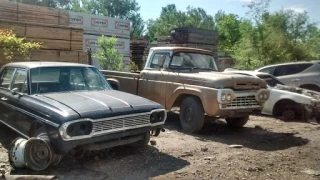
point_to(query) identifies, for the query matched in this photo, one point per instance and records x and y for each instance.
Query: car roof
(289, 63)
(36, 64)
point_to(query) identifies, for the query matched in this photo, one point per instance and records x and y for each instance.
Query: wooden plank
(35, 31)
(38, 18)
(8, 15)
(83, 58)
(51, 44)
(29, 9)
(64, 17)
(18, 28)
(45, 55)
(76, 34)
(76, 45)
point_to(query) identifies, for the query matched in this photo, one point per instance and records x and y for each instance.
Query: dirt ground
(269, 149)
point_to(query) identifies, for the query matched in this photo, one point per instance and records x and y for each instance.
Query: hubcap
(188, 114)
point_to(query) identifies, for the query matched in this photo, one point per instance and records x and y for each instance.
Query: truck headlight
(225, 96)
(76, 129)
(263, 95)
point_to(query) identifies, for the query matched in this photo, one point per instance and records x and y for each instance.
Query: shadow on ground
(117, 163)
(255, 138)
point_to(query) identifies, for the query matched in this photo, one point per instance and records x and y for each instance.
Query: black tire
(191, 115)
(142, 143)
(237, 122)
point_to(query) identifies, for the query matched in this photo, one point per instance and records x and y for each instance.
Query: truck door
(153, 80)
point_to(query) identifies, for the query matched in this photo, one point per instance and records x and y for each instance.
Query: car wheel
(288, 115)
(42, 134)
(142, 143)
(237, 122)
(191, 115)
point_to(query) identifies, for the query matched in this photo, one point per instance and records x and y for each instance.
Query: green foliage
(132, 67)
(108, 56)
(172, 18)
(10, 44)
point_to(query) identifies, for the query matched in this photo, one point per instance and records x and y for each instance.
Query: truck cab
(188, 78)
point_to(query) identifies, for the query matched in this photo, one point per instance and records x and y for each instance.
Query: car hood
(222, 80)
(100, 104)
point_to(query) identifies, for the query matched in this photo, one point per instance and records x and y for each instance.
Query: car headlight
(159, 115)
(229, 97)
(76, 129)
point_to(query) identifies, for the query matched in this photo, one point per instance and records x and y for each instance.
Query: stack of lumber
(46, 55)
(52, 37)
(139, 50)
(164, 40)
(194, 35)
(30, 13)
(49, 27)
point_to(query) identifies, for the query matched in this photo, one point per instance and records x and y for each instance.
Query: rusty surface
(167, 86)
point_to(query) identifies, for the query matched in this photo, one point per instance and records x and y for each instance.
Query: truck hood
(222, 80)
(100, 104)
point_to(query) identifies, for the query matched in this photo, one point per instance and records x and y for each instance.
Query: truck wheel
(191, 115)
(237, 122)
(142, 143)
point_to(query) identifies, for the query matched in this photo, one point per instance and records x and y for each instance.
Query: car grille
(121, 122)
(246, 101)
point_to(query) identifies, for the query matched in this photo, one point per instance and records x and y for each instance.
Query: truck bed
(123, 81)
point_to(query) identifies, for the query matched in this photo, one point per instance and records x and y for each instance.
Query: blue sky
(152, 8)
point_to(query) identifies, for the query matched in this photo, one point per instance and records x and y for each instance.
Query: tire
(142, 143)
(191, 115)
(237, 122)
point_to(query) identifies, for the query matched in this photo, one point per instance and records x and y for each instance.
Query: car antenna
(37, 92)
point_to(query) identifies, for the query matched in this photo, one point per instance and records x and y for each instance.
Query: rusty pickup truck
(188, 78)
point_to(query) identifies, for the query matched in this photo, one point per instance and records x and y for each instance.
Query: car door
(152, 83)
(6, 77)
(18, 117)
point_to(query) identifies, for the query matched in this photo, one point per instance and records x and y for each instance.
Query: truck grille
(246, 101)
(121, 122)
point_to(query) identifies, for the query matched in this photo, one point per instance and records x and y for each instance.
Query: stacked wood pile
(50, 27)
(29, 13)
(191, 37)
(139, 50)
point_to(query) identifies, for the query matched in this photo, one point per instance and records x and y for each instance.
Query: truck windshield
(186, 60)
(61, 79)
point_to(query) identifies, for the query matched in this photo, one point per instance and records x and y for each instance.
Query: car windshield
(185, 60)
(61, 79)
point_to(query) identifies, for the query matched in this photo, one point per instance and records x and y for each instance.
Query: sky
(150, 9)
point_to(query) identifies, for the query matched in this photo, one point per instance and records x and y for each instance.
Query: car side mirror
(14, 91)
(161, 61)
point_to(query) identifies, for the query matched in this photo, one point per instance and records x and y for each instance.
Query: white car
(288, 102)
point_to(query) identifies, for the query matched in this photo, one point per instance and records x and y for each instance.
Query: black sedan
(73, 107)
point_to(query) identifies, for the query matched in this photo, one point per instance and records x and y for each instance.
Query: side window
(286, 70)
(20, 81)
(6, 78)
(303, 67)
(156, 57)
(269, 70)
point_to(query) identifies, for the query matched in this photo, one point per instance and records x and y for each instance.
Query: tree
(228, 27)
(171, 18)
(11, 45)
(108, 56)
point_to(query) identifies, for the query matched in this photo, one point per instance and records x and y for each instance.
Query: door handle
(4, 99)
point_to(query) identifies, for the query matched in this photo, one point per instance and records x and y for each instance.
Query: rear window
(290, 69)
